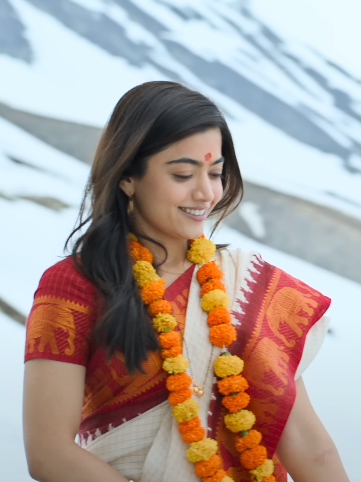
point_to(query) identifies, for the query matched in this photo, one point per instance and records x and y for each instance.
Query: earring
(130, 207)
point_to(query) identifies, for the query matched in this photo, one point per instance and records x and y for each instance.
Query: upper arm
(53, 399)
(305, 448)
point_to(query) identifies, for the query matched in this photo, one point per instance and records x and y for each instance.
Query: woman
(95, 365)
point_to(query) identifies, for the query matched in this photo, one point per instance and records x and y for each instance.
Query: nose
(203, 190)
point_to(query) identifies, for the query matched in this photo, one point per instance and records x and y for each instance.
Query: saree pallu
(273, 314)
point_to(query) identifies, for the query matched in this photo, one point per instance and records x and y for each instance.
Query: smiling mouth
(194, 212)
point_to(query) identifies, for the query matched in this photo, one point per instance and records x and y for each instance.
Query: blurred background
(287, 76)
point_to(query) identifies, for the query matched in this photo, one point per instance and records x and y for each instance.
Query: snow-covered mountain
(296, 114)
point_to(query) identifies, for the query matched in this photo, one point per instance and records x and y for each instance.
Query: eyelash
(185, 178)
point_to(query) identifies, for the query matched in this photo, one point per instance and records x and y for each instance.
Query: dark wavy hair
(146, 120)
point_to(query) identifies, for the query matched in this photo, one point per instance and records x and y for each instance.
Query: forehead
(202, 146)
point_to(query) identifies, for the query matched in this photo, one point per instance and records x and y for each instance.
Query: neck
(176, 250)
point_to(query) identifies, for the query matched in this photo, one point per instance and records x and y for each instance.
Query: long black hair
(146, 120)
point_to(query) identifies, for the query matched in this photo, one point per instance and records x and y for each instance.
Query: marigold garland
(160, 307)
(152, 291)
(209, 271)
(189, 425)
(219, 316)
(164, 322)
(263, 471)
(234, 403)
(171, 352)
(177, 364)
(203, 451)
(222, 335)
(206, 468)
(178, 382)
(218, 476)
(213, 284)
(194, 435)
(250, 440)
(232, 384)
(179, 396)
(224, 366)
(240, 421)
(252, 458)
(168, 340)
(214, 299)
(186, 410)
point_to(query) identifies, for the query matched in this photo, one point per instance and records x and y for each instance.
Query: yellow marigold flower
(214, 299)
(144, 273)
(225, 366)
(202, 450)
(227, 479)
(132, 237)
(186, 410)
(164, 321)
(242, 420)
(201, 251)
(178, 364)
(264, 470)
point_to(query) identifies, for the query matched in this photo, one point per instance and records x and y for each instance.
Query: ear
(127, 186)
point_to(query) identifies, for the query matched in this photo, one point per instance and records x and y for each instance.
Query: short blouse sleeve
(62, 316)
(314, 340)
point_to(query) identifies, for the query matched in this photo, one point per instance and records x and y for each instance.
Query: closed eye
(182, 177)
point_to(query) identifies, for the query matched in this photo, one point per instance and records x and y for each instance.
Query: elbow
(40, 463)
(35, 468)
(324, 455)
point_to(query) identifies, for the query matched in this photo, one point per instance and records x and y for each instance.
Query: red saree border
(275, 314)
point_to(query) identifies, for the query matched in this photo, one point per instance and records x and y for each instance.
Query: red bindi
(208, 156)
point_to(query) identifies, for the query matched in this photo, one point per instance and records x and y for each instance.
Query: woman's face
(180, 188)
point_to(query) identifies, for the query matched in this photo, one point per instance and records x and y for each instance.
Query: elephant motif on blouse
(287, 307)
(267, 360)
(43, 321)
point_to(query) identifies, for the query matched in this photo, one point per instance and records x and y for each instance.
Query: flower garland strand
(232, 385)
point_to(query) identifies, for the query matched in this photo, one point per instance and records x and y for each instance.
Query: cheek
(218, 192)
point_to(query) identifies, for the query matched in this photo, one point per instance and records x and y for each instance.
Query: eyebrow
(193, 162)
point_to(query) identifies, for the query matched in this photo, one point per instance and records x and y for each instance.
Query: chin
(195, 232)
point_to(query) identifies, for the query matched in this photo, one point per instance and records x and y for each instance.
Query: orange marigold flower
(180, 381)
(209, 271)
(222, 335)
(232, 384)
(213, 284)
(271, 478)
(207, 468)
(252, 458)
(168, 340)
(194, 435)
(249, 441)
(192, 424)
(236, 402)
(219, 475)
(160, 306)
(140, 253)
(219, 316)
(152, 291)
(171, 352)
(179, 396)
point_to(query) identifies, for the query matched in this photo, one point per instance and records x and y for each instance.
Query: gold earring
(130, 207)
